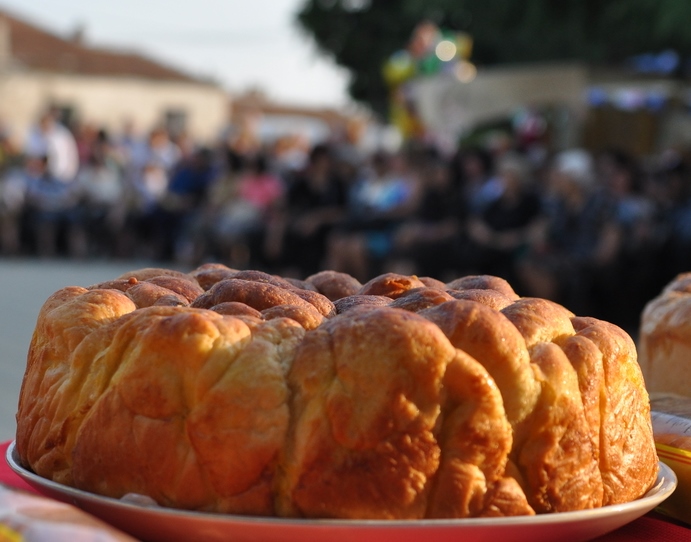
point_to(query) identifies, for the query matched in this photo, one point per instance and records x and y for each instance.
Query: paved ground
(24, 286)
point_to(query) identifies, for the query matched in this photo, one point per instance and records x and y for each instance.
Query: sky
(241, 44)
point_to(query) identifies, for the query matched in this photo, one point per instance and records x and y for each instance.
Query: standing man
(52, 138)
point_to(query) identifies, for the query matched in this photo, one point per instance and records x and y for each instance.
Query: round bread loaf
(665, 338)
(258, 397)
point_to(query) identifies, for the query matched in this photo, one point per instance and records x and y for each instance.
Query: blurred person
(506, 224)
(241, 140)
(379, 203)
(258, 186)
(577, 238)
(428, 241)
(472, 172)
(9, 153)
(348, 143)
(673, 198)
(52, 211)
(143, 196)
(530, 134)
(185, 143)
(147, 181)
(290, 153)
(156, 150)
(128, 146)
(315, 203)
(349, 159)
(51, 138)
(623, 287)
(240, 206)
(162, 150)
(13, 187)
(85, 136)
(101, 190)
(203, 193)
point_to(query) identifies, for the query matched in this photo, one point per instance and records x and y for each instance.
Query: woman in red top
(258, 187)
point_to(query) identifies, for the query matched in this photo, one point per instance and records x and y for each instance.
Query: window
(175, 121)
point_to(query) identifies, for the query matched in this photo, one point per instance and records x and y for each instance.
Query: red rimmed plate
(157, 524)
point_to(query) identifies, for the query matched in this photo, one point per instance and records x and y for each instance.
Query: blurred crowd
(599, 232)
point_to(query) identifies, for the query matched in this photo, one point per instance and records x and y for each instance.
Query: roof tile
(38, 49)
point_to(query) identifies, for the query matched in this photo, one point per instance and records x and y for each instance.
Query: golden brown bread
(665, 344)
(473, 479)
(431, 282)
(411, 405)
(170, 428)
(67, 318)
(146, 294)
(187, 287)
(147, 273)
(418, 299)
(483, 282)
(117, 284)
(625, 411)
(352, 301)
(253, 275)
(162, 418)
(258, 295)
(356, 408)
(235, 308)
(492, 298)
(390, 285)
(334, 285)
(320, 302)
(365, 402)
(490, 338)
(209, 274)
(301, 284)
(307, 317)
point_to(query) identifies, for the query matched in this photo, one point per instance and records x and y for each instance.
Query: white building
(99, 86)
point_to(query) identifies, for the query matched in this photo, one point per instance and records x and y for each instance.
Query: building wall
(109, 102)
(450, 107)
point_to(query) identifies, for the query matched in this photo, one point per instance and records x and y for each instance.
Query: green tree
(360, 35)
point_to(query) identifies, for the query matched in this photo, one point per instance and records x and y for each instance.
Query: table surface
(652, 527)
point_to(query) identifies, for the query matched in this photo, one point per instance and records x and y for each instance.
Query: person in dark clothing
(52, 211)
(577, 239)
(384, 199)
(622, 288)
(472, 174)
(428, 241)
(315, 203)
(502, 230)
(179, 207)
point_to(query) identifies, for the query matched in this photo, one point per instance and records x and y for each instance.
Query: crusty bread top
(400, 401)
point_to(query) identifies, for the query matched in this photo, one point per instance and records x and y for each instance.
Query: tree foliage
(360, 35)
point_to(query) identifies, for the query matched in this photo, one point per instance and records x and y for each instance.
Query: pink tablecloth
(650, 528)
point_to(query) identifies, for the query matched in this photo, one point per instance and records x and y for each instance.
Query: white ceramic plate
(155, 524)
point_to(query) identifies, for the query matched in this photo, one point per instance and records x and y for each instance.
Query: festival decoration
(431, 51)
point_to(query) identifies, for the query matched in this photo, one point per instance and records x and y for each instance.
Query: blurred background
(547, 143)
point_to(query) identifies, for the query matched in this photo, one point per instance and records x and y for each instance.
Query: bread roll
(258, 399)
(665, 339)
(390, 285)
(210, 273)
(335, 285)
